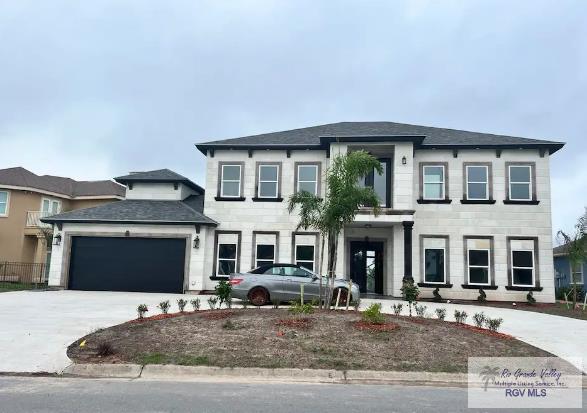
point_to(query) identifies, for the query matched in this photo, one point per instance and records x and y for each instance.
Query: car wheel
(344, 295)
(258, 296)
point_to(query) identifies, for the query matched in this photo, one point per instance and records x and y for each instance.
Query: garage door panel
(127, 264)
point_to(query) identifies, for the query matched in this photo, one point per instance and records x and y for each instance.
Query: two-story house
(25, 198)
(460, 210)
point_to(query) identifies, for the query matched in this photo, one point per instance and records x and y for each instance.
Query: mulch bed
(273, 338)
(364, 325)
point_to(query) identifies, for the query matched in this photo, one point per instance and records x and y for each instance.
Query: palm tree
(576, 248)
(488, 373)
(344, 197)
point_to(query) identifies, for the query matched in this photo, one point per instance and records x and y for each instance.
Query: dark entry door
(367, 266)
(127, 264)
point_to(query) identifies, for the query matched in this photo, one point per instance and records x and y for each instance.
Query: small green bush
(181, 303)
(164, 306)
(212, 302)
(440, 313)
(493, 324)
(373, 314)
(142, 309)
(530, 298)
(195, 304)
(397, 308)
(223, 291)
(410, 292)
(460, 316)
(479, 319)
(105, 349)
(420, 310)
(297, 308)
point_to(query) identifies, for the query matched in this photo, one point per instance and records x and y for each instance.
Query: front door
(367, 266)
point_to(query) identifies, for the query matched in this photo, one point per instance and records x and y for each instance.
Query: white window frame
(222, 181)
(488, 266)
(261, 181)
(51, 202)
(578, 272)
(257, 259)
(314, 181)
(530, 183)
(5, 213)
(235, 259)
(444, 264)
(442, 182)
(300, 262)
(523, 268)
(478, 182)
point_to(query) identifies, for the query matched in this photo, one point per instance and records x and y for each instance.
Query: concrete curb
(198, 373)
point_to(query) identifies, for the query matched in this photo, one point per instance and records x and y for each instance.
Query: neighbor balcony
(33, 219)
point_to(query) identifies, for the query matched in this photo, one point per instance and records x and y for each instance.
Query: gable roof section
(135, 211)
(318, 137)
(159, 176)
(68, 187)
(562, 250)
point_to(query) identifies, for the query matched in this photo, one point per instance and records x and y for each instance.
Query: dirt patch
(272, 338)
(363, 325)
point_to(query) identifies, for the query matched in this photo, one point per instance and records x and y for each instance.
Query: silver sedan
(282, 282)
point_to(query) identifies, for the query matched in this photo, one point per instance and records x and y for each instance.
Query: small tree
(344, 197)
(575, 245)
(224, 292)
(410, 293)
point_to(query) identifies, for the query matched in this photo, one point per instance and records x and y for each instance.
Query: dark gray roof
(135, 211)
(423, 136)
(158, 175)
(562, 250)
(65, 186)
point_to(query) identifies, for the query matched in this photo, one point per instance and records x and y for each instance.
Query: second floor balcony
(33, 219)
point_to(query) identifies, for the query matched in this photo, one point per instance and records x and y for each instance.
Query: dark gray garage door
(127, 264)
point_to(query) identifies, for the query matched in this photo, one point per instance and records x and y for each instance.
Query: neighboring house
(460, 211)
(26, 197)
(562, 269)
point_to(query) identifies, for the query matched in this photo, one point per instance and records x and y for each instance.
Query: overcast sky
(95, 89)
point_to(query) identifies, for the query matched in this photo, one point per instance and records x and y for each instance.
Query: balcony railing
(33, 219)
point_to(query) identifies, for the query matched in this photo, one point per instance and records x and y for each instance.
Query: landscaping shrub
(410, 292)
(440, 313)
(397, 308)
(460, 316)
(164, 306)
(105, 349)
(195, 304)
(373, 315)
(223, 291)
(142, 309)
(212, 302)
(493, 324)
(436, 294)
(479, 319)
(297, 308)
(482, 296)
(181, 303)
(420, 310)
(530, 298)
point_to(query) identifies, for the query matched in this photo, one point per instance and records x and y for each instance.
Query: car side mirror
(314, 277)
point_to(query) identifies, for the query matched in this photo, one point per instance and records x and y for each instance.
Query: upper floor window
(231, 180)
(50, 206)
(434, 182)
(520, 182)
(307, 178)
(477, 182)
(268, 180)
(3, 203)
(381, 184)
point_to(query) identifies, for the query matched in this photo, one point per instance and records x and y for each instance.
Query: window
(268, 184)
(523, 268)
(578, 274)
(434, 182)
(307, 176)
(289, 272)
(265, 254)
(305, 256)
(230, 184)
(3, 203)
(226, 259)
(477, 182)
(50, 206)
(434, 265)
(381, 184)
(520, 182)
(478, 266)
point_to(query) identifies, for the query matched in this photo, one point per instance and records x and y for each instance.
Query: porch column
(408, 226)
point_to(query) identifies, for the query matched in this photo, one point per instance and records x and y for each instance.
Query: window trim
(445, 188)
(444, 265)
(318, 166)
(488, 183)
(446, 249)
(531, 183)
(466, 249)
(258, 181)
(51, 201)
(488, 266)
(222, 181)
(300, 262)
(254, 248)
(533, 268)
(316, 246)
(7, 209)
(215, 266)
(219, 189)
(369, 181)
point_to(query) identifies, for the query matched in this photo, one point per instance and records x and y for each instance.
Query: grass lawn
(5, 287)
(273, 338)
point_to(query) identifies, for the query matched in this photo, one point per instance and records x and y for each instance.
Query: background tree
(575, 245)
(344, 197)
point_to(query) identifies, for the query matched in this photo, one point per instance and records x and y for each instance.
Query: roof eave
(551, 146)
(186, 182)
(114, 221)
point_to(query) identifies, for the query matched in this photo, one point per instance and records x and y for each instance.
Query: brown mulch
(364, 325)
(486, 331)
(266, 338)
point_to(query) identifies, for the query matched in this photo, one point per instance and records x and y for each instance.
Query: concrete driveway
(37, 326)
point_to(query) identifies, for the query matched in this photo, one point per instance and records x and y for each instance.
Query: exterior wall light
(57, 239)
(197, 242)
(404, 160)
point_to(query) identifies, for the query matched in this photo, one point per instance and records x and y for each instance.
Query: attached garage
(127, 264)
